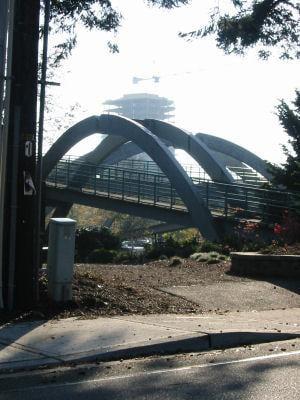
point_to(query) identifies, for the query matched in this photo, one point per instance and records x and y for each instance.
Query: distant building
(142, 106)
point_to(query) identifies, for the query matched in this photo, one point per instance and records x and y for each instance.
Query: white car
(131, 246)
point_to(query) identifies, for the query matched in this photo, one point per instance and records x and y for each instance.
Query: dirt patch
(135, 289)
(100, 290)
(108, 290)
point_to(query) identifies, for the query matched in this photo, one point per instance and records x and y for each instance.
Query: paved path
(247, 295)
(32, 344)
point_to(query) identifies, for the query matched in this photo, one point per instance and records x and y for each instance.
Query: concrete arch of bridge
(181, 139)
(235, 151)
(97, 156)
(123, 129)
(174, 136)
(204, 148)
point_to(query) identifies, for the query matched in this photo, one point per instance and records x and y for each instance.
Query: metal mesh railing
(145, 187)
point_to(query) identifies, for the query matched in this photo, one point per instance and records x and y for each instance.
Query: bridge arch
(176, 137)
(235, 151)
(201, 147)
(181, 139)
(128, 130)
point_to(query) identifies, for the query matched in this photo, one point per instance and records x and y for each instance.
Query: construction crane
(155, 79)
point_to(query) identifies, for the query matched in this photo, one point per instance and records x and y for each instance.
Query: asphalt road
(257, 372)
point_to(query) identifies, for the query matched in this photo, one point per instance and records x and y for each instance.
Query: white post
(61, 258)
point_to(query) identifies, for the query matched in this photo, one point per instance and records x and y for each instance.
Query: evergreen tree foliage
(289, 174)
(92, 14)
(94, 238)
(263, 23)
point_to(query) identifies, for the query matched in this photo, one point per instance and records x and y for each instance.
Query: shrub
(208, 246)
(203, 258)
(212, 261)
(246, 236)
(122, 256)
(195, 256)
(210, 258)
(102, 256)
(289, 229)
(214, 254)
(89, 239)
(175, 261)
(156, 251)
(171, 247)
(125, 257)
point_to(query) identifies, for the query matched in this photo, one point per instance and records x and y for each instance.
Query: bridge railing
(114, 182)
(247, 201)
(193, 171)
(228, 200)
(151, 167)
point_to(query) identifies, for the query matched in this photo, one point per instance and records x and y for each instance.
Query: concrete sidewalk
(40, 343)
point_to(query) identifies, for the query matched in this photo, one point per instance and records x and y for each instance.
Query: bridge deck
(154, 189)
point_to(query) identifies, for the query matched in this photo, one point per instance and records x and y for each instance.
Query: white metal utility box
(60, 263)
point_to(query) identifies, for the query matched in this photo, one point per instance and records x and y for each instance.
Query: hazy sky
(228, 96)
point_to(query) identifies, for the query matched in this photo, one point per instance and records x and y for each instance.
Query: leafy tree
(89, 216)
(57, 120)
(92, 14)
(93, 238)
(288, 175)
(262, 23)
(130, 227)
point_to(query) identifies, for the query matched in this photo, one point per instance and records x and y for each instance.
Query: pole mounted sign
(28, 148)
(29, 188)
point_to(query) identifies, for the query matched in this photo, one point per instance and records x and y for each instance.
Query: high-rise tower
(142, 106)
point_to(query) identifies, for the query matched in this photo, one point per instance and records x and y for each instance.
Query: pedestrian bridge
(226, 185)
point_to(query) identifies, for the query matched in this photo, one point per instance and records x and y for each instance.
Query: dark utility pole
(20, 269)
(40, 135)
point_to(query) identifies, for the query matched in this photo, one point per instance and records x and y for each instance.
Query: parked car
(135, 246)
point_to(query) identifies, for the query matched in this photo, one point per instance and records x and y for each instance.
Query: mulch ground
(107, 290)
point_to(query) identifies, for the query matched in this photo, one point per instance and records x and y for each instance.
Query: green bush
(212, 261)
(102, 256)
(246, 236)
(157, 250)
(126, 256)
(90, 239)
(195, 256)
(207, 247)
(171, 247)
(175, 261)
(203, 258)
(210, 258)
(122, 256)
(214, 254)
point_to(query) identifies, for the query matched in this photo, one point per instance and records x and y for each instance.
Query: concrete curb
(197, 343)
(191, 344)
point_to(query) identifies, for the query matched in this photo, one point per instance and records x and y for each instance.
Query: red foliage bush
(289, 229)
